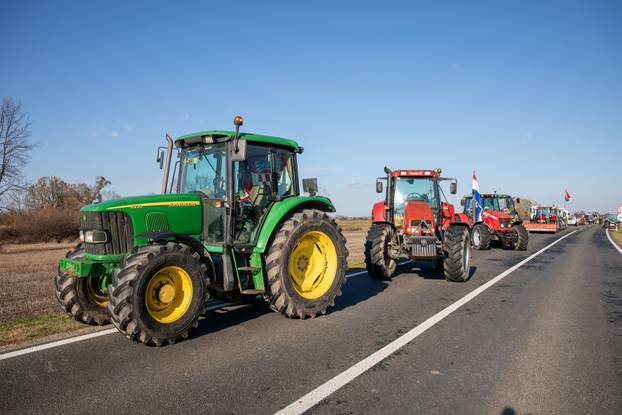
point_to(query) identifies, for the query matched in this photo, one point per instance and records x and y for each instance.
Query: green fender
(276, 214)
(282, 208)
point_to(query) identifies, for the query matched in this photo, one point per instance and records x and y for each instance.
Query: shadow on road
(426, 270)
(357, 289)
(217, 320)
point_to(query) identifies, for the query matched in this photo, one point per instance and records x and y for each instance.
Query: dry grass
(617, 236)
(28, 305)
(355, 231)
(26, 279)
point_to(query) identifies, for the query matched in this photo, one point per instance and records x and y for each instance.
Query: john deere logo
(84, 218)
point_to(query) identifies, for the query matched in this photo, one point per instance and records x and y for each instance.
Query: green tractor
(235, 226)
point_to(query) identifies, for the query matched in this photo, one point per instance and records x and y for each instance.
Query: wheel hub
(313, 264)
(166, 293)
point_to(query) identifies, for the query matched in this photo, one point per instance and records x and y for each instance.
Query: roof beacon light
(237, 121)
(439, 171)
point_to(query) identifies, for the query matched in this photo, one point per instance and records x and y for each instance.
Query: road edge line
(329, 387)
(615, 245)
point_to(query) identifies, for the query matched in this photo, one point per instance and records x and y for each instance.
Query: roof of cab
(407, 173)
(490, 195)
(286, 142)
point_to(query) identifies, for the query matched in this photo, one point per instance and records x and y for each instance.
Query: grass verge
(28, 328)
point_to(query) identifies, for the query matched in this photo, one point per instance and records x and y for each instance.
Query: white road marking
(83, 337)
(615, 245)
(320, 393)
(56, 343)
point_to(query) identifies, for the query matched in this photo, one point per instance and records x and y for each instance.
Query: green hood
(145, 202)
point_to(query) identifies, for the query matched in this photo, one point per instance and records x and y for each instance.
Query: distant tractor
(235, 226)
(544, 220)
(500, 222)
(414, 223)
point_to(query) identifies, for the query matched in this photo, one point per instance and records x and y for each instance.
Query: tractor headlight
(95, 237)
(81, 235)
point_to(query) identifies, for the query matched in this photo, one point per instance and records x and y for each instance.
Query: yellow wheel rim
(94, 292)
(313, 264)
(169, 294)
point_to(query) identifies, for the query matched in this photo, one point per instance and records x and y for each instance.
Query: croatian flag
(567, 196)
(477, 199)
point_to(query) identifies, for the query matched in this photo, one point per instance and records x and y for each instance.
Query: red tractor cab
(413, 222)
(499, 222)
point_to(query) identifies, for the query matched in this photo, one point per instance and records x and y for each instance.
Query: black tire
(480, 237)
(458, 253)
(377, 260)
(79, 297)
(283, 295)
(523, 237)
(128, 289)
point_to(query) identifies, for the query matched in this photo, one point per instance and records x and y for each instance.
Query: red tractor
(545, 219)
(414, 223)
(500, 222)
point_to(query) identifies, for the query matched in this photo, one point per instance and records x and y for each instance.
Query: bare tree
(54, 193)
(14, 148)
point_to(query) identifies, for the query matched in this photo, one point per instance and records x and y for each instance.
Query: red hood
(497, 214)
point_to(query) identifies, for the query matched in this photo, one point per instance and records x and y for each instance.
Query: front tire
(82, 297)
(379, 263)
(306, 264)
(523, 237)
(480, 237)
(157, 294)
(458, 253)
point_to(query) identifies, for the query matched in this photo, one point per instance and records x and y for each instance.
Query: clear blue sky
(527, 93)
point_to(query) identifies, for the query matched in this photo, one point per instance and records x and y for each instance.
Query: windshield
(506, 204)
(203, 170)
(420, 189)
(491, 203)
(498, 204)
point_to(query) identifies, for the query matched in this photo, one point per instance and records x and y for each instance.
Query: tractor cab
(414, 202)
(545, 214)
(497, 204)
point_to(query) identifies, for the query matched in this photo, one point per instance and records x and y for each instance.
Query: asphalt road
(547, 338)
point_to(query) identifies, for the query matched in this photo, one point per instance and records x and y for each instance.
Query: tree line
(46, 209)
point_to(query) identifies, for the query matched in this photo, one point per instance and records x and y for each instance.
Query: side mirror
(462, 202)
(518, 200)
(310, 186)
(379, 186)
(239, 154)
(160, 159)
(453, 188)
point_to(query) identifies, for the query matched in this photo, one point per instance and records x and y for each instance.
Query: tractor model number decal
(173, 203)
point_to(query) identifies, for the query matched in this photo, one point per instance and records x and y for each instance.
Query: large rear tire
(157, 294)
(306, 264)
(523, 237)
(82, 298)
(458, 253)
(377, 260)
(480, 236)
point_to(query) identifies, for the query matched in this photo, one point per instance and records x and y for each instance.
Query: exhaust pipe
(167, 168)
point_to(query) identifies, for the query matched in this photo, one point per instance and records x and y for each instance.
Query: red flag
(567, 196)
